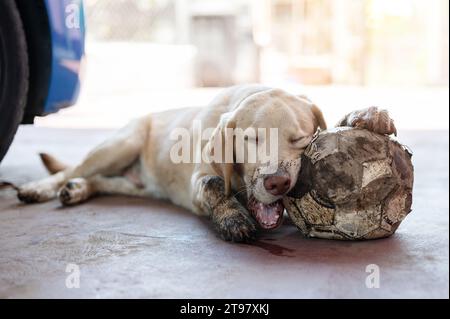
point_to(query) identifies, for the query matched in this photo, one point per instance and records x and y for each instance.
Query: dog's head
(260, 145)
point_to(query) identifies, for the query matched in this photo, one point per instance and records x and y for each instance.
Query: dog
(238, 197)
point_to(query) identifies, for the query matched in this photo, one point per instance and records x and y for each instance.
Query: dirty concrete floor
(127, 247)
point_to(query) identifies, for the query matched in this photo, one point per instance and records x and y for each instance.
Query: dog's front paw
(234, 223)
(373, 119)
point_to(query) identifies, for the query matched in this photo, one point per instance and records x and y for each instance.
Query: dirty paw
(28, 197)
(373, 119)
(235, 225)
(74, 192)
(34, 193)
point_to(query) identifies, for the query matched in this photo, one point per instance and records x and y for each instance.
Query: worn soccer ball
(353, 185)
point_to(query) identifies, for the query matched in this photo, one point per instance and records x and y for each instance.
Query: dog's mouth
(268, 216)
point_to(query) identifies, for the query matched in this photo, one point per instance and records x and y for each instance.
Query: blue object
(67, 26)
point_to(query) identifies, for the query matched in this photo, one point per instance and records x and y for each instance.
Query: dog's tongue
(268, 216)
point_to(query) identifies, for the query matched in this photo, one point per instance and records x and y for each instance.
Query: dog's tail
(52, 165)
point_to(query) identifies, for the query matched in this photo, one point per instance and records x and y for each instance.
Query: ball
(353, 185)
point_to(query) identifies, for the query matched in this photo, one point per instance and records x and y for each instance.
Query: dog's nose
(277, 184)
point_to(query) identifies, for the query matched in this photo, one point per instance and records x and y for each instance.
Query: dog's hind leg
(109, 159)
(119, 152)
(78, 190)
(42, 190)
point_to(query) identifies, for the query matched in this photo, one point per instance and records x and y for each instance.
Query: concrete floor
(145, 248)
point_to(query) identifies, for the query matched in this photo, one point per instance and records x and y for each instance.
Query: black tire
(13, 73)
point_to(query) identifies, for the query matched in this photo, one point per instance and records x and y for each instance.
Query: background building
(365, 42)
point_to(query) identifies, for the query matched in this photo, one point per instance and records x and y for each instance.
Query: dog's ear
(221, 150)
(318, 118)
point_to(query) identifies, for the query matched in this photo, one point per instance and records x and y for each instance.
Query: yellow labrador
(238, 196)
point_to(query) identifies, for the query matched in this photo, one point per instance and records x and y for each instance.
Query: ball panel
(337, 178)
(356, 224)
(402, 164)
(321, 147)
(295, 214)
(396, 207)
(326, 233)
(362, 145)
(317, 214)
(375, 170)
(378, 182)
(377, 234)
